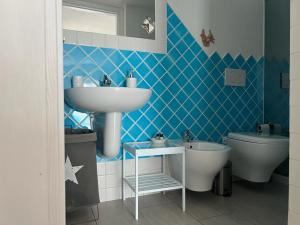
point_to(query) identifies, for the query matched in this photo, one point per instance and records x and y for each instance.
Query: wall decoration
(148, 25)
(70, 171)
(207, 39)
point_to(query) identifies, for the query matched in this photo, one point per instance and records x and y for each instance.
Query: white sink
(108, 103)
(106, 99)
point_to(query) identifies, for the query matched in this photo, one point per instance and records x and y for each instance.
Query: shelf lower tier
(153, 183)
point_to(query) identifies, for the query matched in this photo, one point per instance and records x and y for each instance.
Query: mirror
(131, 18)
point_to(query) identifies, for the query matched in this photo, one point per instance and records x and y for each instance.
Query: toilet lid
(258, 138)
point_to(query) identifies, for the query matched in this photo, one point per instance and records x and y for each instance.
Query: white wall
(31, 115)
(294, 195)
(238, 25)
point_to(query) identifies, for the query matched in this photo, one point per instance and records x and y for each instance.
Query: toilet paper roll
(264, 129)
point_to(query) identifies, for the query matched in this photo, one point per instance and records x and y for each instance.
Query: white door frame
(32, 184)
(294, 159)
(55, 111)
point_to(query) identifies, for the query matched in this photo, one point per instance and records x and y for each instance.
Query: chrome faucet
(106, 81)
(187, 136)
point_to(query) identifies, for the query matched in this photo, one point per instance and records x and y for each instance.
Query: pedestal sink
(111, 101)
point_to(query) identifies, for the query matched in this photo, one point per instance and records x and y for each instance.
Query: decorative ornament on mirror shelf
(207, 39)
(148, 25)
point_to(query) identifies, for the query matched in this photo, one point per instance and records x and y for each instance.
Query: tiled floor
(250, 204)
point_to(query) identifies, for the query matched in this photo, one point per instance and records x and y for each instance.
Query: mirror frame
(159, 45)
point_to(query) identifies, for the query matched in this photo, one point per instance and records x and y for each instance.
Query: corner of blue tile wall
(276, 108)
(187, 84)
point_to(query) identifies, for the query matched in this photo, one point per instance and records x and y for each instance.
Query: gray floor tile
(169, 214)
(250, 204)
(148, 201)
(116, 213)
(231, 219)
(203, 205)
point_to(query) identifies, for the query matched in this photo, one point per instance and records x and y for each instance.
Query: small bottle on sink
(131, 80)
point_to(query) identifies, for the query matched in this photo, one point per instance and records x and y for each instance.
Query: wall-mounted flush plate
(235, 77)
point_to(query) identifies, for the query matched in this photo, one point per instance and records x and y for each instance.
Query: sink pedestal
(108, 127)
(112, 133)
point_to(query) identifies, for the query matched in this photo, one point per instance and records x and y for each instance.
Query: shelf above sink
(106, 99)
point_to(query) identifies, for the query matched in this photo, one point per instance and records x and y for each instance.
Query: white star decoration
(70, 171)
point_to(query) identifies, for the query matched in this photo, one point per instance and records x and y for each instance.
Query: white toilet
(203, 162)
(255, 156)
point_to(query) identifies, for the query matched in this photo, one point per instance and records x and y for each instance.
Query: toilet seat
(259, 138)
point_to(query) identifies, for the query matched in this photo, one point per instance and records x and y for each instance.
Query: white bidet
(203, 162)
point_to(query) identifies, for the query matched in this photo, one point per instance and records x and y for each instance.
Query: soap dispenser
(131, 80)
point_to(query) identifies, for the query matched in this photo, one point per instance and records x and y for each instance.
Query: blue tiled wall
(187, 84)
(276, 99)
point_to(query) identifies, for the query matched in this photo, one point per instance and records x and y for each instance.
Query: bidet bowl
(203, 162)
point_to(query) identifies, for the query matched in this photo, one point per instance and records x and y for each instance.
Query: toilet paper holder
(268, 128)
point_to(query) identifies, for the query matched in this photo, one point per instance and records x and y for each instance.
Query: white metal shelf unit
(150, 183)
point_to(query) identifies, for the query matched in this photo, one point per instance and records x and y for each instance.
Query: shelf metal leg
(163, 164)
(183, 181)
(136, 188)
(124, 174)
(163, 167)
